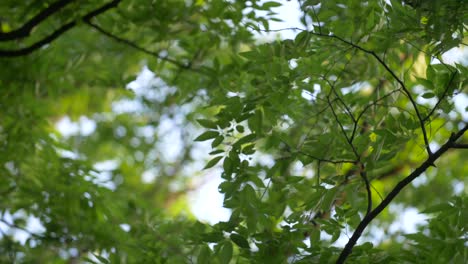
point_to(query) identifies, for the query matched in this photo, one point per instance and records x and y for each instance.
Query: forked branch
(451, 143)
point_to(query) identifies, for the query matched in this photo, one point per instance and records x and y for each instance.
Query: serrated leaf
(239, 240)
(207, 123)
(207, 135)
(213, 162)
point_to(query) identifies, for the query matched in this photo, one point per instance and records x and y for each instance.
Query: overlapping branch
(58, 32)
(405, 89)
(398, 80)
(451, 143)
(27, 27)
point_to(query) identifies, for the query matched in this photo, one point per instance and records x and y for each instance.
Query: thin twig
(363, 174)
(348, 140)
(387, 68)
(441, 97)
(398, 80)
(326, 160)
(139, 48)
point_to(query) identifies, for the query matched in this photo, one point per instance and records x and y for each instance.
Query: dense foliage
(320, 140)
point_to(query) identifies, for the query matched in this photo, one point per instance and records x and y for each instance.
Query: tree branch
(139, 48)
(64, 28)
(363, 174)
(374, 213)
(387, 68)
(460, 146)
(398, 80)
(26, 29)
(442, 97)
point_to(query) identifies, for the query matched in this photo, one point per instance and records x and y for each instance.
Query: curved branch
(451, 143)
(363, 175)
(441, 97)
(26, 29)
(57, 33)
(139, 48)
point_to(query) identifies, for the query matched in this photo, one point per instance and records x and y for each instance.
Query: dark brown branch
(363, 174)
(460, 146)
(57, 33)
(26, 29)
(402, 184)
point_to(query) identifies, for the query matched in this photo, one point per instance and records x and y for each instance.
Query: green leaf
(243, 140)
(268, 5)
(101, 259)
(227, 166)
(207, 123)
(370, 21)
(225, 254)
(437, 208)
(218, 140)
(207, 135)
(213, 162)
(249, 149)
(328, 198)
(204, 254)
(240, 240)
(240, 129)
(213, 237)
(216, 151)
(294, 179)
(428, 95)
(302, 39)
(256, 122)
(426, 83)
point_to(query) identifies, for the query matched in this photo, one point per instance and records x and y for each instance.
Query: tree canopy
(114, 111)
